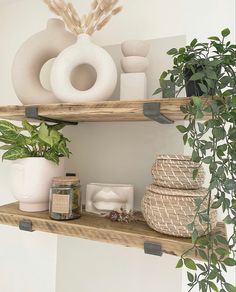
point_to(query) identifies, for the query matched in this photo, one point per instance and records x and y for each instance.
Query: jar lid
(66, 180)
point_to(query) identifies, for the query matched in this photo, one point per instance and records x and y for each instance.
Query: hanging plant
(213, 143)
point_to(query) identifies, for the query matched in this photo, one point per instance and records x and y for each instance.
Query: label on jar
(60, 203)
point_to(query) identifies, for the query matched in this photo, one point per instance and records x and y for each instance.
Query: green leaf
(225, 32)
(190, 277)
(195, 173)
(182, 129)
(7, 128)
(172, 51)
(221, 239)
(203, 255)
(197, 101)
(219, 133)
(52, 157)
(163, 75)
(16, 153)
(157, 91)
(207, 160)
(194, 236)
(230, 262)
(227, 220)
(179, 264)
(28, 127)
(190, 264)
(211, 74)
(197, 76)
(203, 87)
(193, 42)
(214, 38)
(185, 138)
(213, 286)
(229, 287)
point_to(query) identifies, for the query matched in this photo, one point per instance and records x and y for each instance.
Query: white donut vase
(31, 57)
(83, 52)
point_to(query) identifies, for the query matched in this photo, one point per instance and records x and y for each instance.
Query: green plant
(207, 67)
(213, 143)
(33, 141)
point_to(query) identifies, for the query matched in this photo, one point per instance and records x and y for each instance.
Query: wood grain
(97, 228)
(100, 111)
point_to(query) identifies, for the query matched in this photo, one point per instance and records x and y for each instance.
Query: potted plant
(37, 153)
(202, 68)
(218, 152)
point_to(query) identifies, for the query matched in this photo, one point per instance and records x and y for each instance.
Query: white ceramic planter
(30, 182)
(83, 52)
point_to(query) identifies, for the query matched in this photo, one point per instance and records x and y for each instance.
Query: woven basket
(169, 211)
(176, 171)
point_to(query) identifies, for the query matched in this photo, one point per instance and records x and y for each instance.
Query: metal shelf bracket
(152, 110)
(153, 249)
(31, 112)
(26, 225)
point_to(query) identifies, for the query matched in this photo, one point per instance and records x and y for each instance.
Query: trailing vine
(213, 143)
(210, 69)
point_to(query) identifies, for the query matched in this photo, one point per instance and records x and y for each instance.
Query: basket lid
(173, 157)
(202, 192)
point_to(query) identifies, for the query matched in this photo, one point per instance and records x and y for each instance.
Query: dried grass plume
(100, 14)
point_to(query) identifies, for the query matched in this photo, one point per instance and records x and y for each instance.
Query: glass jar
(65, 198)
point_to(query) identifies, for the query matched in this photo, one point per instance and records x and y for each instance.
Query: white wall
(83, 265)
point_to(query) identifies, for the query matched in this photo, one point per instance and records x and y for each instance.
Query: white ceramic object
(30, 182)
(84, 52)
(135, 48)
(102, 198)
(31, 57)
(133, 86)
(134, 64)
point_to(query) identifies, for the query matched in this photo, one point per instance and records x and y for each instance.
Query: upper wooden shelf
(99, 111)
(97, 228)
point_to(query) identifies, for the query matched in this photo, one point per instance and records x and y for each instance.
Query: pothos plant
(29, 140)
(213, 143)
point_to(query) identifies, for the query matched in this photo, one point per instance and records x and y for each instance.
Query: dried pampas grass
(100, 14)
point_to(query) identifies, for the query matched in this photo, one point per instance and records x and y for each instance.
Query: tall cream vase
(31, 57)
(81, 53)
(30, 182)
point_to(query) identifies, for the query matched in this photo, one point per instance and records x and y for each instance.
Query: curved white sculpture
(83, 52)
(31, 57)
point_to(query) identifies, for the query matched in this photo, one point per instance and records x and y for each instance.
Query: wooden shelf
(97, 228)
(100, 111)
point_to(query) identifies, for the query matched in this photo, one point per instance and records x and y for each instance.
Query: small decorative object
(84, 52)
(169, 211)
(101, 198)
(31, 57)
(133, 84)
(38, 153)
(65, 198)
(176, 171)
(121, 216)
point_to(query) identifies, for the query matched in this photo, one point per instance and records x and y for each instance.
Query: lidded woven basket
(176, 171)
(169, 211)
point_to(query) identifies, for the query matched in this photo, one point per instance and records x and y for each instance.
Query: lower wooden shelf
(97, 228)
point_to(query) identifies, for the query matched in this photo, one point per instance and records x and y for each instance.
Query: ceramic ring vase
(31, 57)
(81, 53)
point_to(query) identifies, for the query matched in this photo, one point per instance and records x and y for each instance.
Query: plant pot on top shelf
(203, 69)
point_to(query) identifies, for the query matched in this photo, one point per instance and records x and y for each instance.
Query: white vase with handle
(30, 182)
(81, 53)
